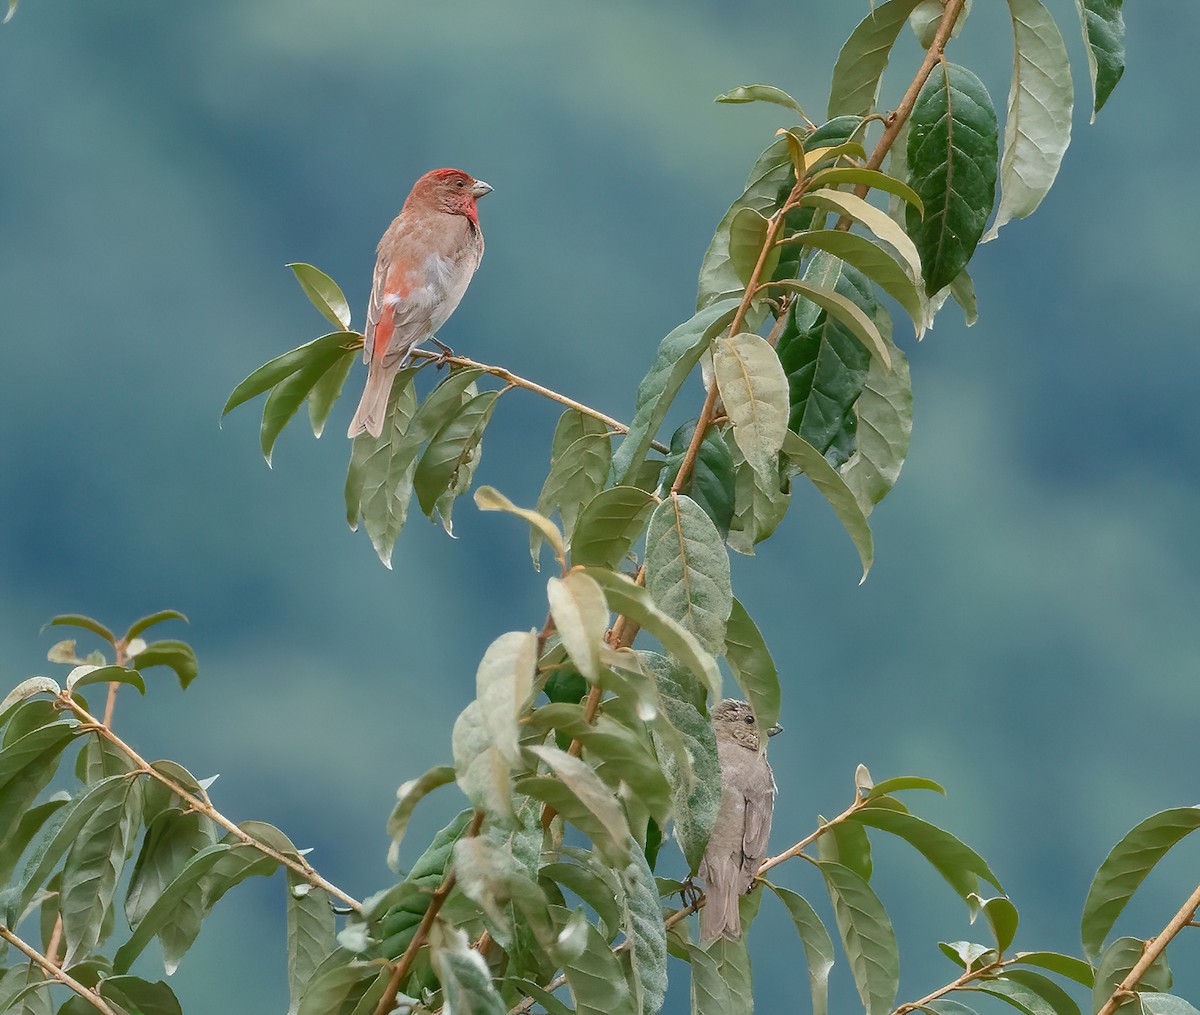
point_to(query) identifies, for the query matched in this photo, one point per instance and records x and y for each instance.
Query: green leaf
(876, 264)
(581, 617)
(81, 676)
(858, 323)
(960, 865)
(818, 947)
(327, 390)
(946, 1006)
(1064, 965)
(79, 620)
(286, 397)
(608, 526)
(692, 769)
(582, 798)
(839, 176)
(677, 355)
(687, 570)
(1154, 1003)
(310, 933)
(450, 449)
(29, 821)
(643, 925)
(754, 390)
(93, 867)
(968, 954)
(1103, 26)
(721, 978)
(504, 687)
(138, 996)
(883, 414)
(1117, 962)
(407, 797)
(178, 655)
(34, 750)
(275, 371)
(713, 481)
(1017, 995)
(748, 232)
(173, 837)
(752, 665)
(867, 936)
(903, 782)
(489, 876)
(926, 19)
(630, 599)
(760, 93)
(760, 504)
(336, 982)
(490, 499)
(594, 884)
(847, 844)
(27, 689)
(324, 293)
(466, 981)
(580, 463)
(1001, 916)
(953, 146)
(864, 57)
(804, 457)
(482, 772)
(1037, 129)
(825, 364)
(139, 626)
(1126, 867)
(879, 222)
(596, 979)
(1060, 1002)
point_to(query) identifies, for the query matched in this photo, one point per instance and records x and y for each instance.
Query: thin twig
(522, 382)
(56, 972)
(402, 968)
(962, 981)
(1154, 948)
(296, 864)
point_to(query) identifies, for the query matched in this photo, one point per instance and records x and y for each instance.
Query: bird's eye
(749, 720)
(460, 183)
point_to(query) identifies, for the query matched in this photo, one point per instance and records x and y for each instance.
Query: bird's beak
(479, 188)
(774, 729)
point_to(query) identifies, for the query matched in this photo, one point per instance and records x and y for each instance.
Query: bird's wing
(760, 807)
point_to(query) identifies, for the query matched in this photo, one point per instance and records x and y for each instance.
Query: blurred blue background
(1028, 635)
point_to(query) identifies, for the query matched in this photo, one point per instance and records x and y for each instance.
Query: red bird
(425, 262)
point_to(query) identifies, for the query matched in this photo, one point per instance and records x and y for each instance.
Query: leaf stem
(1154, 948)
(296, 864)
(56, 972)
(402, 968)
(967, 976)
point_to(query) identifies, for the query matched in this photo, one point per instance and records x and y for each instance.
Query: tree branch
(402, 968)
(56, 972)
(296, 864)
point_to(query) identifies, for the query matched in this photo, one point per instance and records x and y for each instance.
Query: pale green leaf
(754, 391)
(752, 665)
(407, 797)
(324, 293)
(490, 499)
(818, 947)
(580, 615)
(608, 526)
(761, 93)
(863, 328)
(867, 937)
(864, 57)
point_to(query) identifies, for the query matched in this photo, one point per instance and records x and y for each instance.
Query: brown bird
(425, 262)
(739, 835)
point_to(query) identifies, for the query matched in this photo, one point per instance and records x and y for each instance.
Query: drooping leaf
(1060, 1002)
(145, 623)
(760, 93)
(846, 311)
(1103, 26)
(1037, 129)
(172, 838)
(818, 947)
(93, 867)
(580, 462)
(643, 925)
(1117, 962)
(968, 954)
(1154, 1003)
(879, 222)
(1126, 866)
(687, 570)
(748, 231)
(327, 390)
(721, 978)
(1064, 965)
(760, 504)
(136, 996)
(291, 362)
(804, 457)
(1017, 995)
(336, 984)
(677, 356)
(752, 665)
(754, 391)
(580, 614)
(1001, 916)
(310, 933)
(288, 394)
(926, 19)
(608, 526)
(867, 937)
(450, 448)
(712, 483)
(407, 797)
(596, 979)
(29, 821)
(953, 147)
(86, 674)
(324, 293)
(489, 499)
(177, 655)
(79, 620)
(595, 884)
(848, 844)
(693, 771)
(864, 57)
(626, 597)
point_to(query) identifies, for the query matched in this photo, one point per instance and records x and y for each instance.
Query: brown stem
(540, 389)
(56, 972)
(296, 864)
(119, 659)
(1154, 948)
(962, 981)
(402, 968)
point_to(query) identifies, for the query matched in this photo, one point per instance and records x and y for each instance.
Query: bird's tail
(720, 916)
(373, 407)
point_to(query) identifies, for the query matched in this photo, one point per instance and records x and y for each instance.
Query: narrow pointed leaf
(490, 499)
(1027, 1001)
(953, 147)
(172, 838)
(140, 626)
(1126, 866)
(818, 946)
(1037, 129)
(281, 367)
(327, 390)
(1064, 965)
(324, 293)
(407, 797)
(867, 936)
(643, 925)
(79, 620)
(864, 57)
(286, 397)
(878, 221)
(310, 933)
(1103, 26)
(450, 448)
(883, 414)
(760, 93)
(838, 176)
(1060, 1002)
(81, 676)
(901, 783)
(860, 325)
(752, 665)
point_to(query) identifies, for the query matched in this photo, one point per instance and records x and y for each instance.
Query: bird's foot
(445, 357)
(691, 894)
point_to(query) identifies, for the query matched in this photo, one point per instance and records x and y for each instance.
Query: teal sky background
(1028, 635)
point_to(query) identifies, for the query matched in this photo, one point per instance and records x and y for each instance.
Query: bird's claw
(690, 893)
(445, 357)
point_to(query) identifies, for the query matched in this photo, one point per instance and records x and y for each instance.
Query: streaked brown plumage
(425, 262)
(739, 836)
